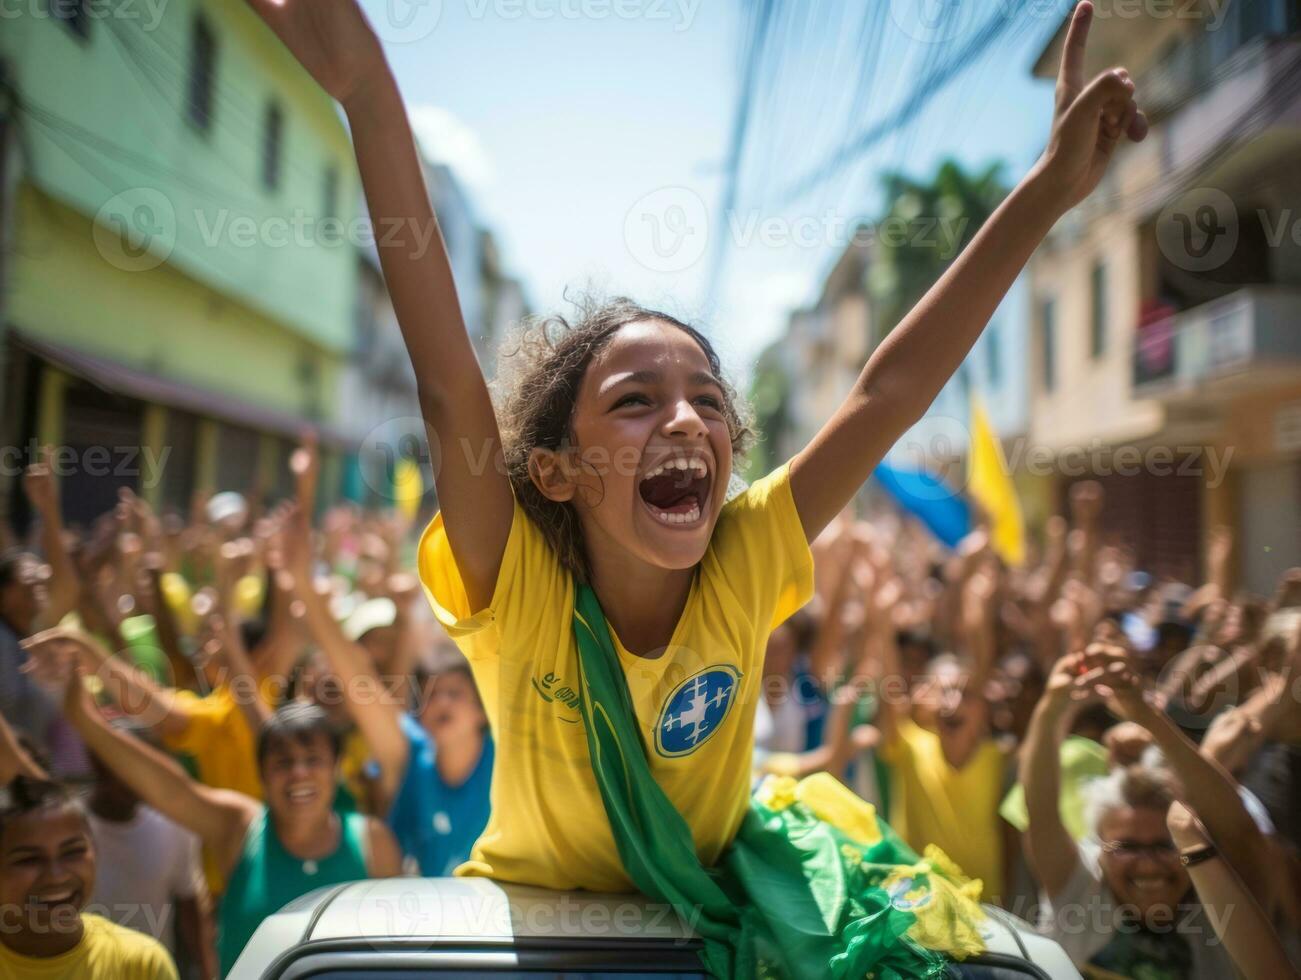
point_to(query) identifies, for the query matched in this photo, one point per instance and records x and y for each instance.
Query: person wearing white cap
(228, 510)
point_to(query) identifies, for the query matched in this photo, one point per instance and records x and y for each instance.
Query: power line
(922, 93)
(164, 71)
(909, 131)
(740, 126)
(54, 121)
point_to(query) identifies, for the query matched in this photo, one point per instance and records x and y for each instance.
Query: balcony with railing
(1246, 339)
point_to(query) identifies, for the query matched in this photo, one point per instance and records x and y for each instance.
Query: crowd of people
(242, 706)
(1082, 738)
(236, 708)
(204, 718)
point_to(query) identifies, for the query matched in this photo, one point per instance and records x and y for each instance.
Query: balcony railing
(1243, 95)
(1252, 327)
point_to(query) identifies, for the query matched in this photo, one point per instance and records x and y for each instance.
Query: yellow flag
(408, 487)
(989, 482)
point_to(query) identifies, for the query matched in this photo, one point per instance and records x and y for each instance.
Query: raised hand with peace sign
(1089, 121)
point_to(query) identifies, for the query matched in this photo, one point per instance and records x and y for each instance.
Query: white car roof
(488, 911)
(428, 912)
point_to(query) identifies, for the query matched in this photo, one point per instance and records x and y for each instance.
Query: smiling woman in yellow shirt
(47, 875)
(107, 951)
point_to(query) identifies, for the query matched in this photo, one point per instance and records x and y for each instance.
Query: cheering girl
(613, 599)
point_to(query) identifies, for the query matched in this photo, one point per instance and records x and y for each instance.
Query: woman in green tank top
(288, 850)
(267, 877)
(269, 854)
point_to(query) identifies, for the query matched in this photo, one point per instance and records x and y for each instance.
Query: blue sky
(586, 127)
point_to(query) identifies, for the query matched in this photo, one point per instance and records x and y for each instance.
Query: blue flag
(927, 498)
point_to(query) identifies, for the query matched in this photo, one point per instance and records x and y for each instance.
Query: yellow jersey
(217, 737)
(695, 703)
(106, 952)
(956, 809)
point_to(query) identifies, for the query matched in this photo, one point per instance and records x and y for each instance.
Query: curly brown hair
(548, 358)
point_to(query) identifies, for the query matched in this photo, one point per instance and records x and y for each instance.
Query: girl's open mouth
(676, 490)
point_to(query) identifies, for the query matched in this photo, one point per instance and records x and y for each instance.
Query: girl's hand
(330, 38)
(1088, 123)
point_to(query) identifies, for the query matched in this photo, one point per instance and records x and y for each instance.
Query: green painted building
(178, 282)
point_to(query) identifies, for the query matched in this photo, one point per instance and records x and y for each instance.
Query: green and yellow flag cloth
(814, 884)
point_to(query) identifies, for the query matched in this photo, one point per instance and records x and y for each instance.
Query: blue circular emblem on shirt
(695, 710)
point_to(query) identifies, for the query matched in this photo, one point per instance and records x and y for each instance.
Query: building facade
(178, 277)
(380, 407)
(804, 376)
(1164, 354)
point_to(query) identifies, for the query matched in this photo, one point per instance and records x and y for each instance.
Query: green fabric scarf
(792, 896)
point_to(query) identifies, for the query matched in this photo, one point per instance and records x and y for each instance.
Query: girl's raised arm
(334, 42)
(910, 367)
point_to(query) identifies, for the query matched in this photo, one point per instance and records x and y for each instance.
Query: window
(1266, 17)
(105, 432)
(237, 458)
(1247, 20)
(330, 193)
(75, 15)
(203, 65)
(273, 126)
(1098, 310)
(1048, 342)
(181, 443)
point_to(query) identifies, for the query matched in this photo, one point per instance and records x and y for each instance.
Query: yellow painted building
(179, 277)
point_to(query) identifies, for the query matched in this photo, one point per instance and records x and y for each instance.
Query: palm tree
(924, 227)
(770, 402)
